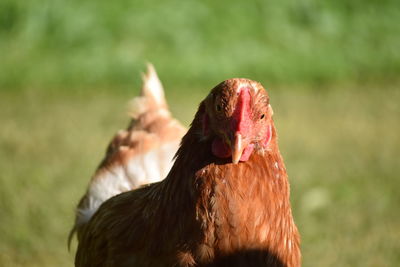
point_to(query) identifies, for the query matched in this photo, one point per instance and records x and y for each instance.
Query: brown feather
(207, 212)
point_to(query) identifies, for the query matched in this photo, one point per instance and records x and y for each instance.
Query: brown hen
(225, 201)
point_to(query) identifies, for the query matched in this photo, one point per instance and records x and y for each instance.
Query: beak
(237, 148)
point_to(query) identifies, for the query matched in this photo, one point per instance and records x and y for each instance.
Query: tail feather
(152, 87)
(152, 94)
(152, 98)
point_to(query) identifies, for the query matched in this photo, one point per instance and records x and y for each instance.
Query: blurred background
(332, 68)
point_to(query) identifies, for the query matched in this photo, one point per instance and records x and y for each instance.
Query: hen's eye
(262, 116)
(218, 107)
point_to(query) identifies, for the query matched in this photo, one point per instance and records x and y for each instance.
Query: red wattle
(247, 153)
(220, 149)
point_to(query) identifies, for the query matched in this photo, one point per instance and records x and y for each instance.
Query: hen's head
(238, 118)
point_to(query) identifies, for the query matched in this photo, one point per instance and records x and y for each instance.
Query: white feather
(149, 167)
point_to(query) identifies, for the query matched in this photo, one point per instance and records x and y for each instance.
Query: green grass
(341, 149)
(54, 43)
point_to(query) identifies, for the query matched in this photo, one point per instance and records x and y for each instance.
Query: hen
(225, 201)
(141, 154)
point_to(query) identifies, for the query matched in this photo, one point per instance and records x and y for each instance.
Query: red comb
(241, 121)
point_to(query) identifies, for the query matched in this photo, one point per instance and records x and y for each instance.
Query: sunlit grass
(341, 149)
(70, 43)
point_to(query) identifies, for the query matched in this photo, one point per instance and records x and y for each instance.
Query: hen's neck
(238, 206)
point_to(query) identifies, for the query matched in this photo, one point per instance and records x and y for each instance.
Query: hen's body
(141, 154)
(207, 212)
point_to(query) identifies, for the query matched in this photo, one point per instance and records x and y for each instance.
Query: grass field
(56, 42)
(341, 148)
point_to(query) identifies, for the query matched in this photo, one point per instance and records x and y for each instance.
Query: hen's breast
(245, 209)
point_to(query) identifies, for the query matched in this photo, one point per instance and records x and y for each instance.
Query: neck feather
(235, 205)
